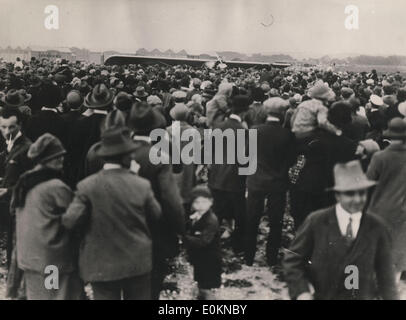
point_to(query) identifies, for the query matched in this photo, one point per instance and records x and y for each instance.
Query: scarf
(28, 181)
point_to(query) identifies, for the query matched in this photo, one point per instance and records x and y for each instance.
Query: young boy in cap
(203, 243)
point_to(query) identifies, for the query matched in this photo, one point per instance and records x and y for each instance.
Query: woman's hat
(46, 148)
(350, 177)
(115, 141)
(99, 98)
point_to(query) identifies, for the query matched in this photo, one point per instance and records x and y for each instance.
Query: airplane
(119, 59)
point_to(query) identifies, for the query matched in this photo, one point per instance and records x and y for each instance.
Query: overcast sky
(311, 26)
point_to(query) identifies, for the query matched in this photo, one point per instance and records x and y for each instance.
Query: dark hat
(200, 191)
(114, 118)
(60, 78)
(140, 92)
(339, 114)
(396, 129)
(240, 103)
(13, 98)
(258, 94)
(143, 118)
(115, 141)
(46, 148)
(123, 101)
(100, 97)
(35, 81)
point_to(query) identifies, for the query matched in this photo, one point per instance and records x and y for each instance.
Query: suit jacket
(163, 183)
(84, 133)
(115, 209)
(167, 193)
(225, 176)
(275, 154)
(46, 121)
(322, 151)
(16, 163)
(319, 255)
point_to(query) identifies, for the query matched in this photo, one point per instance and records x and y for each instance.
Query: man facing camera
(341, 251)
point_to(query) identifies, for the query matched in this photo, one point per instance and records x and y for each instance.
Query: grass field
(380, 69)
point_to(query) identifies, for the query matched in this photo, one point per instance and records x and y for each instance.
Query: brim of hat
(141, 96)
(52, 156)
(91, 105)
(360, 186)
(116, 150)
(21, 103)
(390, 134)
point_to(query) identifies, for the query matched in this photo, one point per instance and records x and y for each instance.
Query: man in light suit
(342, 243)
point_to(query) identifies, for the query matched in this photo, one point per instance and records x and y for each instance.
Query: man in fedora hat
(86, 130)
(17, 99)
(388, 200)
(116, 209)
(342, 251)
(143, 119)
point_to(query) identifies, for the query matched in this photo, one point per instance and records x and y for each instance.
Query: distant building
(9, 54)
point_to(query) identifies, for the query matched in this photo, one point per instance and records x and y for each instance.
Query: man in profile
(340, 238)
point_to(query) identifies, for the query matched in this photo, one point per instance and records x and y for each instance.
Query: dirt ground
(239, 282)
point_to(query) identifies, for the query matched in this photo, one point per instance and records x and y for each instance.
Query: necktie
(348, 234)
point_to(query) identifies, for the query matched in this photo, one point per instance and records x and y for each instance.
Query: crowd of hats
(49, 84)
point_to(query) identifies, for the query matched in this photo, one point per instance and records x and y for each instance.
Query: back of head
(240, 104)
(339, 114)
(276, 106)
(74, 100)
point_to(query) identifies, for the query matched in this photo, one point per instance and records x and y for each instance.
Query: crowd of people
(79, 190)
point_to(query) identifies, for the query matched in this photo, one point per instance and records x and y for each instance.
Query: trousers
(276, 202)
(134, 288)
